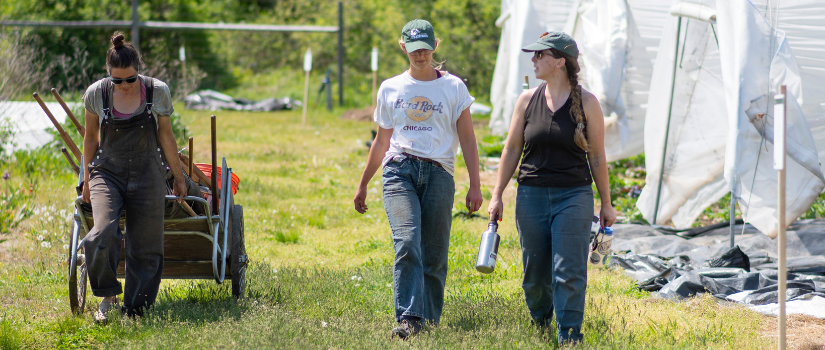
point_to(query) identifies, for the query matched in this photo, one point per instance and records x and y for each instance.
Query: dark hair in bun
(122, 54)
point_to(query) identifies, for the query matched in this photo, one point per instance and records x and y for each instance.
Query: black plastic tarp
(678, 266)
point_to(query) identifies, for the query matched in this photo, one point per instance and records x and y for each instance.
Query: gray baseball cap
(418, 34)
(554, 40)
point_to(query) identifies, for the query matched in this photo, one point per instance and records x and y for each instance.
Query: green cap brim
(418, 45)
(536, 47)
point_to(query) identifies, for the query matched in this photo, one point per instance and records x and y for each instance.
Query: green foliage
(180, 130)
(491, 145)
(469, 40)
(717, 212)
(817, 209)
(626, 178)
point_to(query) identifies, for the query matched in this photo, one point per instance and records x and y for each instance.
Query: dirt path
(804, 332)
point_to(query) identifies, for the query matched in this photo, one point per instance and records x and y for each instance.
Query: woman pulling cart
(127, 142)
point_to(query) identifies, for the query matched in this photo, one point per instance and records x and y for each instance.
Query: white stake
(779, 110)
(307, 68)
(374, 66)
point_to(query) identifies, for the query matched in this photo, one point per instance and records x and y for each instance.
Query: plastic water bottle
(600, 247)
(488, 249)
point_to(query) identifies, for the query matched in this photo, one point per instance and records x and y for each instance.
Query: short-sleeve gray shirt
(161, 99)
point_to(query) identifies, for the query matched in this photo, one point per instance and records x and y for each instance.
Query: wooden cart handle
(63, 134)
(80, 128)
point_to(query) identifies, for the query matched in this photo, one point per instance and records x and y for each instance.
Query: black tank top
(551, 156)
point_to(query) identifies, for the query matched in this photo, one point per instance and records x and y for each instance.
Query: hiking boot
(106, 306)
(407, 328)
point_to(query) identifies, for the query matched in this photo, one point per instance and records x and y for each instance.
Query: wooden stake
(63, 134)
(374, 82)
(80, 128)
(214, 174)
(782, 276)
(306, 101)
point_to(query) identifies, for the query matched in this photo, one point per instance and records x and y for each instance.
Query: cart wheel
(77, 283)
(239, 260)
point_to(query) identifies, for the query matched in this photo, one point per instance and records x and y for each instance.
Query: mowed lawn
(320, 274)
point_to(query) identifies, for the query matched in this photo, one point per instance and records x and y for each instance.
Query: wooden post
(191, 156)
(214, 174)
(63, 134)
(779, 123)
(80, 128)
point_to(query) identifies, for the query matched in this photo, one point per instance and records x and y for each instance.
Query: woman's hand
(87, 195)
(496, 208)
(179, 189)
(473, 200)
(360, 199)
(607, 215)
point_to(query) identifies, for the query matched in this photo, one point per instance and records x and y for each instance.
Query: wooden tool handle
(188, 208)
(80, 128)
(191, 155)
(63, 135)
(75, 168)
(214, 174)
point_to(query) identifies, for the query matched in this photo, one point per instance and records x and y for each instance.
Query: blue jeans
(418, 197)
(554, 230)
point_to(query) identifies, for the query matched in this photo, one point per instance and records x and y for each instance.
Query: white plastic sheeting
(715, 133)
(29, 123)
(693, 177)
(618, 41)
(757, 60)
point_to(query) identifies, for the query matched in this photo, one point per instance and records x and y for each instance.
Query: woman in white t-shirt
(423, 116)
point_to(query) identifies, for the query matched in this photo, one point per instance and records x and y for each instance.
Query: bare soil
(803, 332)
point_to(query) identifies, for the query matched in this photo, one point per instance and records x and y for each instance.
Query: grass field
(321, 273)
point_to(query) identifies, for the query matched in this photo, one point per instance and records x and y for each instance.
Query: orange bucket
(207, 170)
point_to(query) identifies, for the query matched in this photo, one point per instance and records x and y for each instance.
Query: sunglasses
(118, 81)
(539, 54)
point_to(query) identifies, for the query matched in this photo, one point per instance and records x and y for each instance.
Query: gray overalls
(127, 173)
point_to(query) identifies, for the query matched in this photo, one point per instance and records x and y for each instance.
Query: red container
(207, 170)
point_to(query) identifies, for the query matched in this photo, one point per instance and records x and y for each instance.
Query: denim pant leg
(436, 221)
(404, 215)
(418, 199)
(570, 227)
(533, 219)
(554, 227)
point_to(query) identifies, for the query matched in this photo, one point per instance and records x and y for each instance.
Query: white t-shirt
(423, 116)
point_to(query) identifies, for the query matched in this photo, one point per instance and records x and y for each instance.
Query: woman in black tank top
(559, 129)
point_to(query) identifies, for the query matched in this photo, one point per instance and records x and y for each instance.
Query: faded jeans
(554, 230)
(418, 198)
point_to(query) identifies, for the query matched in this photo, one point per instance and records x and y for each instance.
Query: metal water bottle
(600, 247)
(488, 249)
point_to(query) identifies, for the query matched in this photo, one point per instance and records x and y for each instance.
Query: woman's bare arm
(469, 147)
(379, 148)
(510, 154)
(596, 156)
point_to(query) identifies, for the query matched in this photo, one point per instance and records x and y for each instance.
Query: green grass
(321, 273)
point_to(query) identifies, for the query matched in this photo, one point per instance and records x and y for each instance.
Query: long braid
(571, 65)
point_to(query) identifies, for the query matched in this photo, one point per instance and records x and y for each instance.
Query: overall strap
(107, 87)
(149, 82)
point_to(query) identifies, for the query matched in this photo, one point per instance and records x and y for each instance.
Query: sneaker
(407, 328)
(106, 306)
